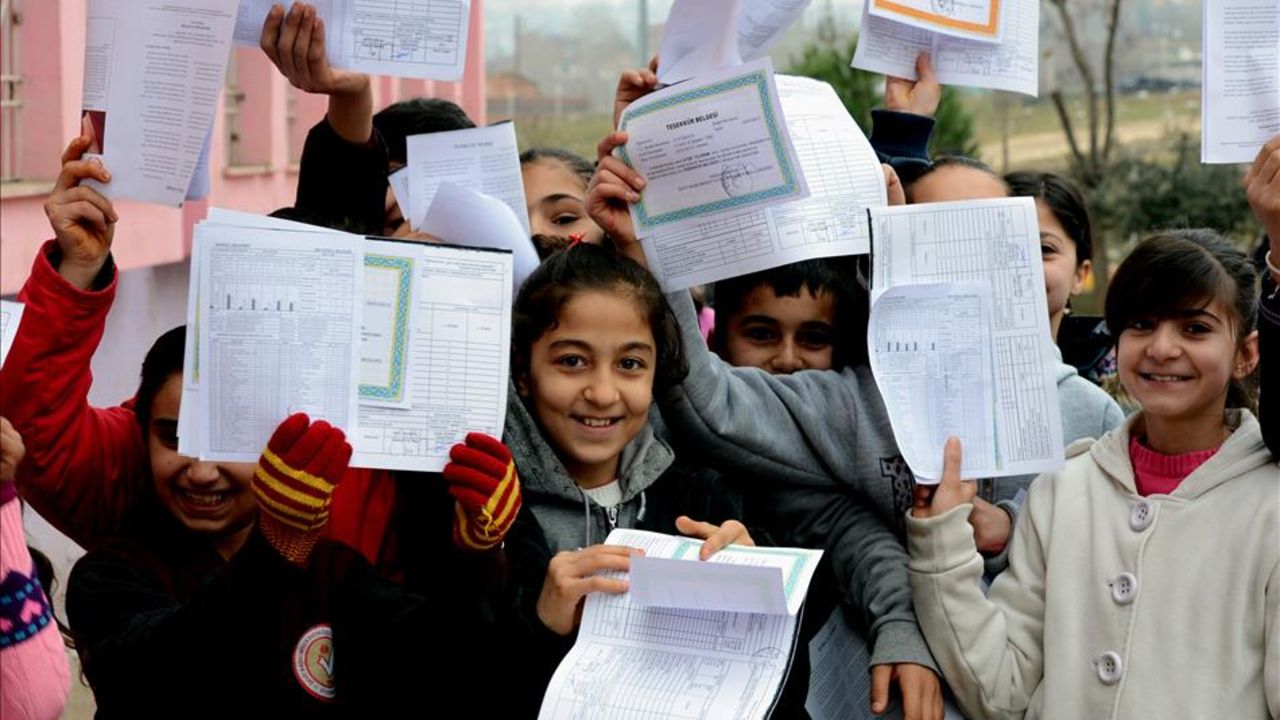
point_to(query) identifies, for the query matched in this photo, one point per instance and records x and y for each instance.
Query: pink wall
(51, 39)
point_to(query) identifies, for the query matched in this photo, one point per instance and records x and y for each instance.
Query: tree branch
(1086, 74)
(1070, 132)
(1113, 27)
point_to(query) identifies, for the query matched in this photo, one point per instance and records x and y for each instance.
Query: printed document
(153, 75)
(462, 216)
(844, 178)
(930, 348)
(382, 37)
(419, 358)
(970, 19)
(709, 147)
(485, 159)
(655, 663)
(890, 48)
(1240, 94)
(702, 36)
(995, 243)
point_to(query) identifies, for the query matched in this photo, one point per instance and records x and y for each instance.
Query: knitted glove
(294, 482)
(482, 479)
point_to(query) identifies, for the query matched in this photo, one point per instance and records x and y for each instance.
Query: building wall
(49, 39)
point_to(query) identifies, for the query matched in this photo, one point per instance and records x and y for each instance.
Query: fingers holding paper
(83, 220)
(715, 537)
(571, 576)
(951, 492)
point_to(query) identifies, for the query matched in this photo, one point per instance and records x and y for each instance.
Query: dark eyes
(565, 219)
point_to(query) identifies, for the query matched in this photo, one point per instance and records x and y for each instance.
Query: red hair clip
(575, 238)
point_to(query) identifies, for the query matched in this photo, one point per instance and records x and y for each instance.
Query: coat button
(1110, 668)
(1124, 588)
(1141, 515)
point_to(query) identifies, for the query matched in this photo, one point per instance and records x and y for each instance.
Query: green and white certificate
(710, 146)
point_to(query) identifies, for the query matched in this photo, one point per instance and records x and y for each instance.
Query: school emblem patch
(313, 662)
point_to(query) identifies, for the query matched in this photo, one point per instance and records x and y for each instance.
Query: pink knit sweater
(1159, 474)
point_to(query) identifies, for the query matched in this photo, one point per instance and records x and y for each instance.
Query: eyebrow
(1194, 313)
(766, 319)
(626, 347)
(557, 197)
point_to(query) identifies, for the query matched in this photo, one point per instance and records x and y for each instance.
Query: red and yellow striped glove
(294, 482)
(482, 479)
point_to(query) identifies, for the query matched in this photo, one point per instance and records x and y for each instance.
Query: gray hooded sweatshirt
(825, 436)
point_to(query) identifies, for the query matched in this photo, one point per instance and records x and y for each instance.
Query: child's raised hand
(611, 189)
(1262, 188)
(300, 467)
(951, 492)
(714, 537)
(633, 85)
(572, 575)
(11, 451)
(920, 96)
(893, 186)
(295, 43)
(83, 221)
(486, 491)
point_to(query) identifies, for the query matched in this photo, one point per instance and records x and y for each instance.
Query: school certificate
(710, 146)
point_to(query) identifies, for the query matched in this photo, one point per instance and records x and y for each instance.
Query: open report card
(930, 345)
(678, 645)
(402, 345)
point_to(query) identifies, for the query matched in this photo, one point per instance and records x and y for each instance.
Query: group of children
(301, 587)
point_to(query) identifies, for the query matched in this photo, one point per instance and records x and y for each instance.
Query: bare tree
(1090, 162)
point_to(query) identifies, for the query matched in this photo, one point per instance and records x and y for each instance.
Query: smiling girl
(1144, 578)
(593, 341)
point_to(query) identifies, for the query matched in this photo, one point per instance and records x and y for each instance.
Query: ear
(1246, 357)
(1083, 271)
(522, 385)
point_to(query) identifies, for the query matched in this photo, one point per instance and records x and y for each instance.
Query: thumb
(880, 676)
(924, 68)
(952, 455)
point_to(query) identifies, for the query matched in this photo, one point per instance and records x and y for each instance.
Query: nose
(1165, 344)
(601, 389)
(787, 359)
(203, 473)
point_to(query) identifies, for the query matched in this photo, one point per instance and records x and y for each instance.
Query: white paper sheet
(665, 664)
(737, 578)
(153, 76)
(844, 179)
(485, 159)
(399, 182)
(995, 242)
(201, 182)
(1240, 94)
(710, 147)
(280, 334)
(461, 216)
(386, 325)
(458, 359)
(762, 22)
(10, 318)
(890, 48)
(930, 348)
(384, 37)
(700, 36)
(970, 19)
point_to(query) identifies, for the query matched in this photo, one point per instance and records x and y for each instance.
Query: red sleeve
(84, 464)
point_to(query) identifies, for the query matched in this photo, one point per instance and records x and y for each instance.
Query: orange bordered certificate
(970, 19)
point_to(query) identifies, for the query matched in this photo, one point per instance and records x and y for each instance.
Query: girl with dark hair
(593, 340)
(555, 190)
(1103, 608)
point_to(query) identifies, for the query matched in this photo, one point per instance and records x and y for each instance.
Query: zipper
(613, 517)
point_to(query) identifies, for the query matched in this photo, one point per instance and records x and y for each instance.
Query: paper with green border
(729, 133)
(383, 376)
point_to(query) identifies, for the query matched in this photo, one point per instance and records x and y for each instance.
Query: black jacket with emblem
(166, 628)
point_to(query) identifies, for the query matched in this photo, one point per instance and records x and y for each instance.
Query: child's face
(781, 334)
(557, 201)
(590, 382)
(1180, 368)
(213, 499)
(1063, 277)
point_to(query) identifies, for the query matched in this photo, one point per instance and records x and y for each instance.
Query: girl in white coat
(1144, 578)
